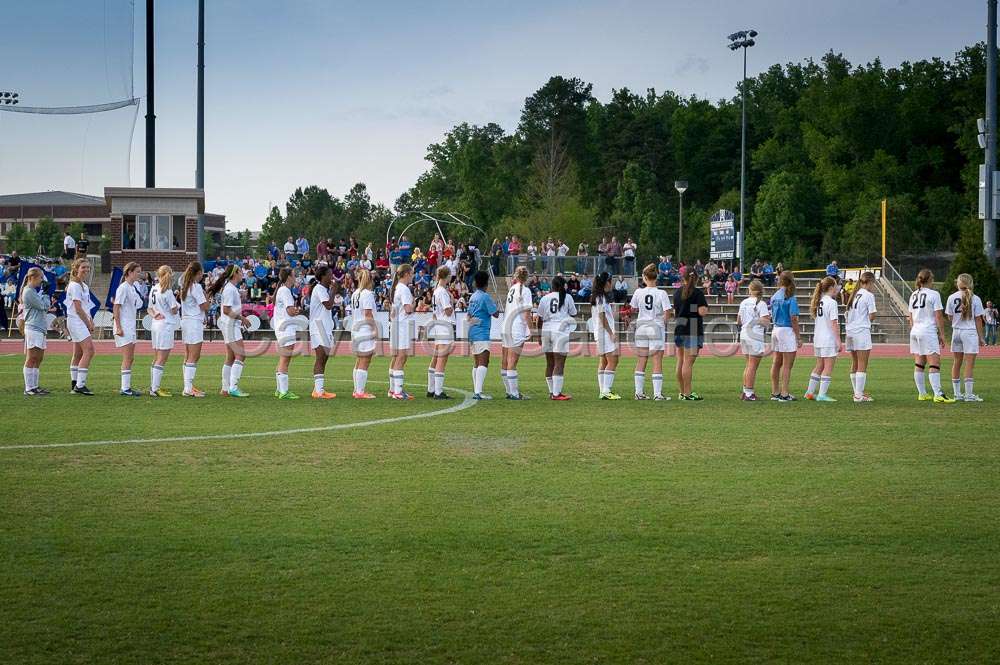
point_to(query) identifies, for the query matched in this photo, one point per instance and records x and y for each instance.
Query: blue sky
(331, 93)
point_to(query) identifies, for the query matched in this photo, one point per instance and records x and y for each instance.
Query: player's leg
(934, 375)
(83, 364)
(160, 357)
(281, 373)
(639, 375)
(861, 373)
(777, 359)
(192, 354)
(440, 363)
(956, 373)
(814, 378)
(550, 363)
(970, 364)
(919, 365)
(680, 353)
(786, 372)
(239, 356)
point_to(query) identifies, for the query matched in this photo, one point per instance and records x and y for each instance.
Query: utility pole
(989, 223)
(199, 172)
(681, 187)
(150, 101)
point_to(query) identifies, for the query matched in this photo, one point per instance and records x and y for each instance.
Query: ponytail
(600, 285)
(222, 280)
(690, 279)
(824, 285)
(924, 279)
(964, 283)
(164, 277)
(187, 279)
(787, 282)
(559, 285)
(866, 280)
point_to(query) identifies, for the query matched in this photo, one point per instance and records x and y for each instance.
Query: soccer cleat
(72, 385)
(32, 392)
(442, 396)
(972, 397)
(825, 398)
(752, 397)
(402, 395)
(863, 398)
(482, 396)
(83, 390)
(560, 398)
(519, 397)
(641, 396)
(661, 398)
(809, 396)
(926, 397)
(162, 392)
(322, 394)
(610, 395)
(430, 394)
(130, 393)
(788, 398)
(194, 392)
(223, 392)
(776, 398)
(943, 399)
(362, 395)
(696, 397)
(236, 392)
(288, 394)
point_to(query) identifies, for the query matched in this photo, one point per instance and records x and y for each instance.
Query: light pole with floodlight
(8, 98)
(743, 39)
(681, 187)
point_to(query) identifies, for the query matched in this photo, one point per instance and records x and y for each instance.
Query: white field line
(466, 403)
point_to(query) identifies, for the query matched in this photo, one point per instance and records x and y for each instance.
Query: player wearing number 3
(926, 337)
(826, 338)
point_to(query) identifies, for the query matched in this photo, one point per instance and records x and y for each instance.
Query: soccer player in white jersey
(860, 314)
(441, 334)
(321, 329)
(284, 331)
(165, 310)
(752, 317)
(231, 324)
(927, 337)
(400, 331)
(966, 311)
(654, 308)
(364, 332)
(516, 331)
(79, 325)
(605, 335)
(826, 338)
(556, 312)
(126, 304)
(194, 304)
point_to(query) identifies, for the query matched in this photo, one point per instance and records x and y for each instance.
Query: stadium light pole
(9, 98)
(743, 39)
(681, 187)
(989, 214)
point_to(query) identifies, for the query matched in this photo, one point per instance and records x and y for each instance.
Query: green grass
(527, 532)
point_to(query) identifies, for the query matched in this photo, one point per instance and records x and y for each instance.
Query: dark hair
(187, 279)
(481, 280)
(283, 275)
(320, 272)
(222, 280)
(599, 286)
(690, 279)
(559, 285)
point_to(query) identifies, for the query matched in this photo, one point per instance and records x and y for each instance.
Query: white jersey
(318, 313)
(283, 299)
(954, 310)
(827, 315)
(77, 291)
(361, 300)
(129, 302)
(651, 303)
(601, 305)
(863, 305)
(231, 299)
(924, 304)
(443, 302)
(518, 298)
(191, 305)
(402, 297)
(164, 302)
(752, 309)
(554, 315)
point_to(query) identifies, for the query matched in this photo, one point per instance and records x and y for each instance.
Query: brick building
(64, 208)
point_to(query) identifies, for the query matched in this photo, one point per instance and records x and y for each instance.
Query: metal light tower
(199, 171)
(150, 101)
(681, 187)
(9, 98)
(743, 39)
(989, 222)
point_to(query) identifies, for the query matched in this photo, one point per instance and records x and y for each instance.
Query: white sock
(438, 383)
(918, 378)
(27, 377)
(859, 383)
(813, 384)
(824, 385)
(234, 375)
(549, 382)
(73, 370)
(968, 385)
(282, 380)
(396, 381)
(226, 374)
(430, 379)
(956, 387)
(81, 376)
(478, 378)
(512, 377)
(188, 372)
(854, 382)
(609, 380)
(747, 391)
(506, 381)
(126, 379)
(557, 384)
(155, 376)
(362, 380)
(318, 381)
(657, 384)
(640, 382)
(36, 374)
(935, 379)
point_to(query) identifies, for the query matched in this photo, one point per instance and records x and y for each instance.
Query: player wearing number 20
(826, 338)
(926, 336)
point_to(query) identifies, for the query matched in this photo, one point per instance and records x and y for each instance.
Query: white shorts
(440, 332)
(555, 341)
(231, 329)
(319, 336)
(479, 347)
(364, 337)
(192, 331)
(515, 337)
(783, 340)
(162, 335)
(401, 335)
(34, 339)
(825, 351)
(605, 344)
(859, 341)
(924, 344)
(77, 331)
(128, 338)
(964, 340)
(650, 336)
(752, 347)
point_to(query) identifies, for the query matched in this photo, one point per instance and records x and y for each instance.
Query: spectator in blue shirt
(833, 270)
(302, 246)
(663, 270)
(481, 311)
(586, 287)
(272, 250)
(768, 272)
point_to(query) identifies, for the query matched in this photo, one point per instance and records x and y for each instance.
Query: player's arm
(939, 318)
(116, 313)
(83, 314)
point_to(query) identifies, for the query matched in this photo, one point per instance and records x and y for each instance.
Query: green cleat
(287, 395)
(825, 398)
(236, 392)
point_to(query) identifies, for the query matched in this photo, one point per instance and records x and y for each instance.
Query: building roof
(51, 198)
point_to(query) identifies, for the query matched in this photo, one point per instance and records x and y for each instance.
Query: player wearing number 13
(826, 338)
(926, 336)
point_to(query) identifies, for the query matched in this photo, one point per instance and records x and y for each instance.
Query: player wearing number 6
(926, 337)
(966, 311)
(826, 338)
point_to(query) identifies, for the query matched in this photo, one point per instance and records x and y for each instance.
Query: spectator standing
(990, 318)
(614, 250)
(581, 258)
(82, 245)
(833, 270)
(628, 251)
(302, 246)
(289, 247)
(69, 247)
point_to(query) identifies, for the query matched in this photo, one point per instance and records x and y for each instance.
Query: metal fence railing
(582, 265)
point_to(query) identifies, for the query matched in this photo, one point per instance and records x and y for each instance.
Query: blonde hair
(756, 288)
(364, 279)
(650, 272)
(74, 270)
(32, 272)
(129, 267)
(925, 278)
(164, 276)
(964, 283)
(866, 279)
(824, 285)
(443, 273)
(521, 274)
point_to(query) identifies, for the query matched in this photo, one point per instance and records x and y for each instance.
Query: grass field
(529, 532)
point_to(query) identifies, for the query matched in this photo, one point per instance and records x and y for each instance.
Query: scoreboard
(723, 240)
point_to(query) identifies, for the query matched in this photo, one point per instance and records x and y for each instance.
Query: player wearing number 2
(860, 314)
(966, 311)
(654, 310)
(826, 338)
(556, 311)
(926, 337)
